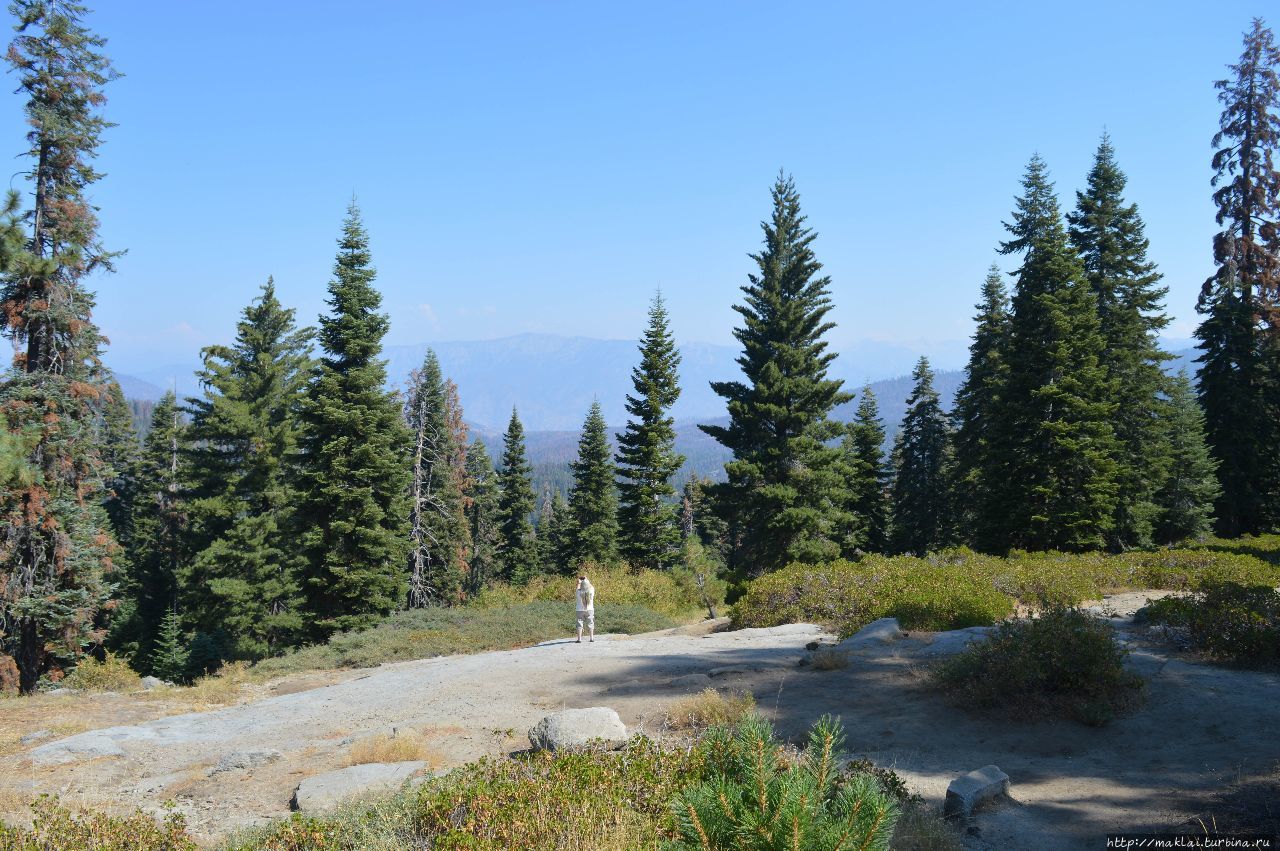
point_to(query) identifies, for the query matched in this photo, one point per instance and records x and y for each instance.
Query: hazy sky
(544, 166)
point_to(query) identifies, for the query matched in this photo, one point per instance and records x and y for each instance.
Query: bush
(57, 827)
(673, 593)
(1228, 621)
(755, 800)
(111, 674)
(710, 708)
(1062, 663)
(400, 746)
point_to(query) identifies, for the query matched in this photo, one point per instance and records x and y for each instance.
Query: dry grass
(922, 829)
(399, 746)
(111, 674)
(709, 708)
(829, 659)
(226, 687)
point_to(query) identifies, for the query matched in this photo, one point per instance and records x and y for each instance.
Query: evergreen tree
(922, 510)
(517, 544)
(698, 518)
(354, 447)
(159, 543)
(648, 519)
(593, 497)
(783, 498)
(172, 652)
(120, 451)
(1109, 236)
(1187, 494)
(868, 478)
(553, 532)
(243, 575)
(979, 480)
(1056, 443)
(1239, 380)
(58, 546)
(437, 525)
(480, 506)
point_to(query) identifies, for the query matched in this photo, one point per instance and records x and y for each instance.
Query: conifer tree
(517, 543)
(698, 518)
(243, 577)
(354, 456)
(159, 524)
(1109, 236)
(593, 497)
(172, 652)
(863, 446)
(648, 517)
(1239, 380)
(437, 527)
(552, 532)
(979, 480)
(783, 498)
(480, 506)
(1187, 494)
(922, 510)
(58, 546)
(120, 451)
(1056, 443)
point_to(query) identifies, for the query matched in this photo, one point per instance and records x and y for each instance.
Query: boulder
(246, 760)
(325, 791)
(76, 748)
(575, 729)
(969, 791)
(727, 671)
(692, 681)
(874, 635)
(148, 683)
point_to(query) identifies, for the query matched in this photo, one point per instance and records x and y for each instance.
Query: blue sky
(544, 166)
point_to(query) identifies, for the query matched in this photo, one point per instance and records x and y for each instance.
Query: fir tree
(783, 498)
(243, 576)
(698, 518)
(120, 451)
(1056, 443)
(480, 507)
(922, 510)
(979, 480)
(1239, 380)
(647, 514)
(1187, 494)
(553, 532)
(172, 651)
(437, 525)
(517, 544)
(58, 545)
(354, 447)
(868, 478)
(1109, 236)
(593, 497)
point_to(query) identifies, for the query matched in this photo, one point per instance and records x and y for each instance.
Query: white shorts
(587, 618)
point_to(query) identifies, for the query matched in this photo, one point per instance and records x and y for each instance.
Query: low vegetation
(54, 826)
(959, 588)
(674, 593)
(1061, 663)
(709, 708)
(397, 746)
(111, 674)
(1227, 621)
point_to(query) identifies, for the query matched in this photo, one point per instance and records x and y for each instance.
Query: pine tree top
(1036, 216)
(352, 336)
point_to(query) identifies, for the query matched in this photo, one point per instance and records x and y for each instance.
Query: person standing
(586, 608)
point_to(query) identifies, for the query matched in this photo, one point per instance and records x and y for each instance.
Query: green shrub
(111, 674)
(1228, 621)
(57, 827)
(1062, 663)
(753, 799)
(674, 593)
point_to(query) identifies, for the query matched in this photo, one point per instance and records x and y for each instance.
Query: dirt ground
(1202, 748)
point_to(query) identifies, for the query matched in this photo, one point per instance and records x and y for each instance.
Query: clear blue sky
(545, 166)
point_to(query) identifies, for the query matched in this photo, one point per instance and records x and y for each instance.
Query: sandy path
(1203, 729)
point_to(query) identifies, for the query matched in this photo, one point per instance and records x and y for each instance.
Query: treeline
(297, 496)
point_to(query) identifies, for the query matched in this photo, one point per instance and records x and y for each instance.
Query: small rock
(727, 670)
(324, 791)
(63, 691)
(692, 681)
(148, 683)
(74, 749)
(247, 759)
(969, 791)
(875, 634)
(574, 729)
(34, 737)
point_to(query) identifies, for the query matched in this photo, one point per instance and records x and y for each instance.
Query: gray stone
(955, 641)
(148, 683)
(873, 635)
(574, 729)
(727, 671)
(789, 629)
(246, 760)
(969, 791)
(74, 749)
(325, 791)
(34, 737)
(1145, 663)
(692, 681)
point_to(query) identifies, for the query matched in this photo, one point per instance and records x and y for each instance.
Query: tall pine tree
(437, 527)
(783, 498)
(648, 518)
(480, 508)
(1109, 236)
(922, 507)
(58, 546)
(978, 479)
(120, 450)
(868, 478)
(517, 543)
(1055, 441)
(1190, 486)
(244, 573)
(1239, 380)
(593, 497)
(353, 514)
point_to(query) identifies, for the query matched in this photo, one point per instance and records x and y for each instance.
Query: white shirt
(586, 598)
